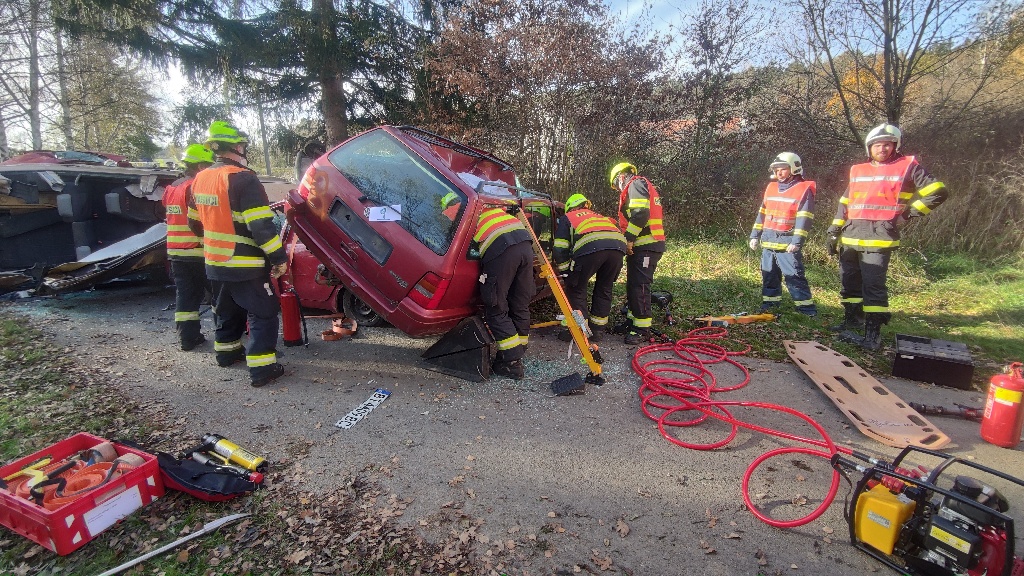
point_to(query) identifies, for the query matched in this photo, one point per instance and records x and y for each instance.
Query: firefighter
(230, 211)
(450, 205)
(506, 285)
(184, 249)
(588, 245)
(884, 193)
(640, 219)
(781, 227)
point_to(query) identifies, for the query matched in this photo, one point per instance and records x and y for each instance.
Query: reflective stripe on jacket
(640, 214)
(585, 232)
(495, 223)
(182, 243)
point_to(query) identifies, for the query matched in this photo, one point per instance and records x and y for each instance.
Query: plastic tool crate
(71, 526)
(936, 361)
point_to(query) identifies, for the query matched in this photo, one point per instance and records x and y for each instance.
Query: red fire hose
(683, 384)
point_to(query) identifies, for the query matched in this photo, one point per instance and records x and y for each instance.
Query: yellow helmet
(224, 131)
(197, 154)
(619, 168)
(575, 200)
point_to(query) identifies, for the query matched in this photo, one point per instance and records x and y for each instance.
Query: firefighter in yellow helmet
(588, 245)
(506, 285)
(230, 211)
(640, 219)
(883, 195)
(781, 227)
(185, 249)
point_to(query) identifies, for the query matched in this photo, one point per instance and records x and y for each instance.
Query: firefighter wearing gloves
(184, 249)
(588, 245)
(884, 193)
(781, 227)
(230, 211)
(506, 286)
(640, 219)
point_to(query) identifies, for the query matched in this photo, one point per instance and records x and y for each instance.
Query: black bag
(201, 481)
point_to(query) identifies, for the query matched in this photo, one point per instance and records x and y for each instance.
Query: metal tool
(206, 529)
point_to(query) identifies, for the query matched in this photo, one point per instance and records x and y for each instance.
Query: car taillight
(429, 290)
(308, 185)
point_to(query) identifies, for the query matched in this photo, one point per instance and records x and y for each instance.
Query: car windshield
(389, 174)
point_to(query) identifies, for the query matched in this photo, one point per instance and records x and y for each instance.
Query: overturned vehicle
(63, 223)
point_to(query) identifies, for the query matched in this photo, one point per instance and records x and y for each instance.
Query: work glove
(793, 248)
(278, 270)
(629, 248)
(754, 243)
(833, 240)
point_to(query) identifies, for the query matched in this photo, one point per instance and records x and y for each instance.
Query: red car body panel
(414, 271)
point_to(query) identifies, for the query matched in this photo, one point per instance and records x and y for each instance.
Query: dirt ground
(557, 482)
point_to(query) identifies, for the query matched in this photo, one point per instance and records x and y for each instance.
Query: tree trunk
(5, 152)
(65, 102)
(332, 89)
(34, 29)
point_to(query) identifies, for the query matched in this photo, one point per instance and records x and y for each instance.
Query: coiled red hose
(682, 384)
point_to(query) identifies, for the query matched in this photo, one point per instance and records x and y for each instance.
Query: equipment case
(70, 527)
(935, 361)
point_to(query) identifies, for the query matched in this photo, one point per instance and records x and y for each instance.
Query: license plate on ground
(350, 419)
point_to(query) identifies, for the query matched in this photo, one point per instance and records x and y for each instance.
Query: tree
(353, 55)
(874, 53)
(554, 87)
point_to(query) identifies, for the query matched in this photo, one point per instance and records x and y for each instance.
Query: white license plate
(350, 419)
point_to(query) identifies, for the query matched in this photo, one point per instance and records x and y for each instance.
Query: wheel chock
(463, 352)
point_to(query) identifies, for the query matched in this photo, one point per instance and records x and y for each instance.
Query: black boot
(853, 318)
(873, 330)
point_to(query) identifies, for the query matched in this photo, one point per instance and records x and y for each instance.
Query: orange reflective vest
(589, 226)
(182, 243)
(780, 208)
(875, 190)
(210, 192)
(654, 223)
(494, 222)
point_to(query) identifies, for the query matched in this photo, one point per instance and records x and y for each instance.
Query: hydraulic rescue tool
(965, 412)
(900, 515)
(229, 453)
(729, 319)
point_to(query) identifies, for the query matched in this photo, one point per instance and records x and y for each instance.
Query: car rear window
(387, 173)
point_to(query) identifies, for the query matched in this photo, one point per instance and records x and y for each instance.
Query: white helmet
(883, 133)
(787, 159)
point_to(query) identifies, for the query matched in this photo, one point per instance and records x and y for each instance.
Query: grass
(943, 296)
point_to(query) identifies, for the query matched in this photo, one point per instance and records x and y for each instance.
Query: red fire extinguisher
(1003, 419)
(292, 322)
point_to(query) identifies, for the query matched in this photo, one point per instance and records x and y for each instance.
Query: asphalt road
(557, 482)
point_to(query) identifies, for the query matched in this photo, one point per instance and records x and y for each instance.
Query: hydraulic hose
(681, 383)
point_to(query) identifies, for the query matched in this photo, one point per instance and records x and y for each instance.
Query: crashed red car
(373, 211)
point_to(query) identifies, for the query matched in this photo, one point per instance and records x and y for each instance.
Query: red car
(391, 213)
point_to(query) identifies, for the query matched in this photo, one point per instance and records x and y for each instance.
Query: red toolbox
(69, 527)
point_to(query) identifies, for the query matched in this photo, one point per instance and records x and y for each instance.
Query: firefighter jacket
(230, 211)
(787, 211)
(640, 216)
(581, 232)
(880, 198)
(496, 231)
(182, 243)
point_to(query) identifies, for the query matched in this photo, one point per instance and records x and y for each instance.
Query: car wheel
(358, 310)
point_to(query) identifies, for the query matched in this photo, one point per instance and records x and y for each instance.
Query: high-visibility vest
(657, 228)
(876, 190)
(181, 241)
(494, 222)
(210, 193)
(589, 226)
(780, 208)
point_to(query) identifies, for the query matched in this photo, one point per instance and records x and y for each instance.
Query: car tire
(359, 311)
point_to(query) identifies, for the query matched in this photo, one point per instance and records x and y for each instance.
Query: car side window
(387, 173)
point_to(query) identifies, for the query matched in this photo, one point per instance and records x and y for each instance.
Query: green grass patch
(944, 296)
